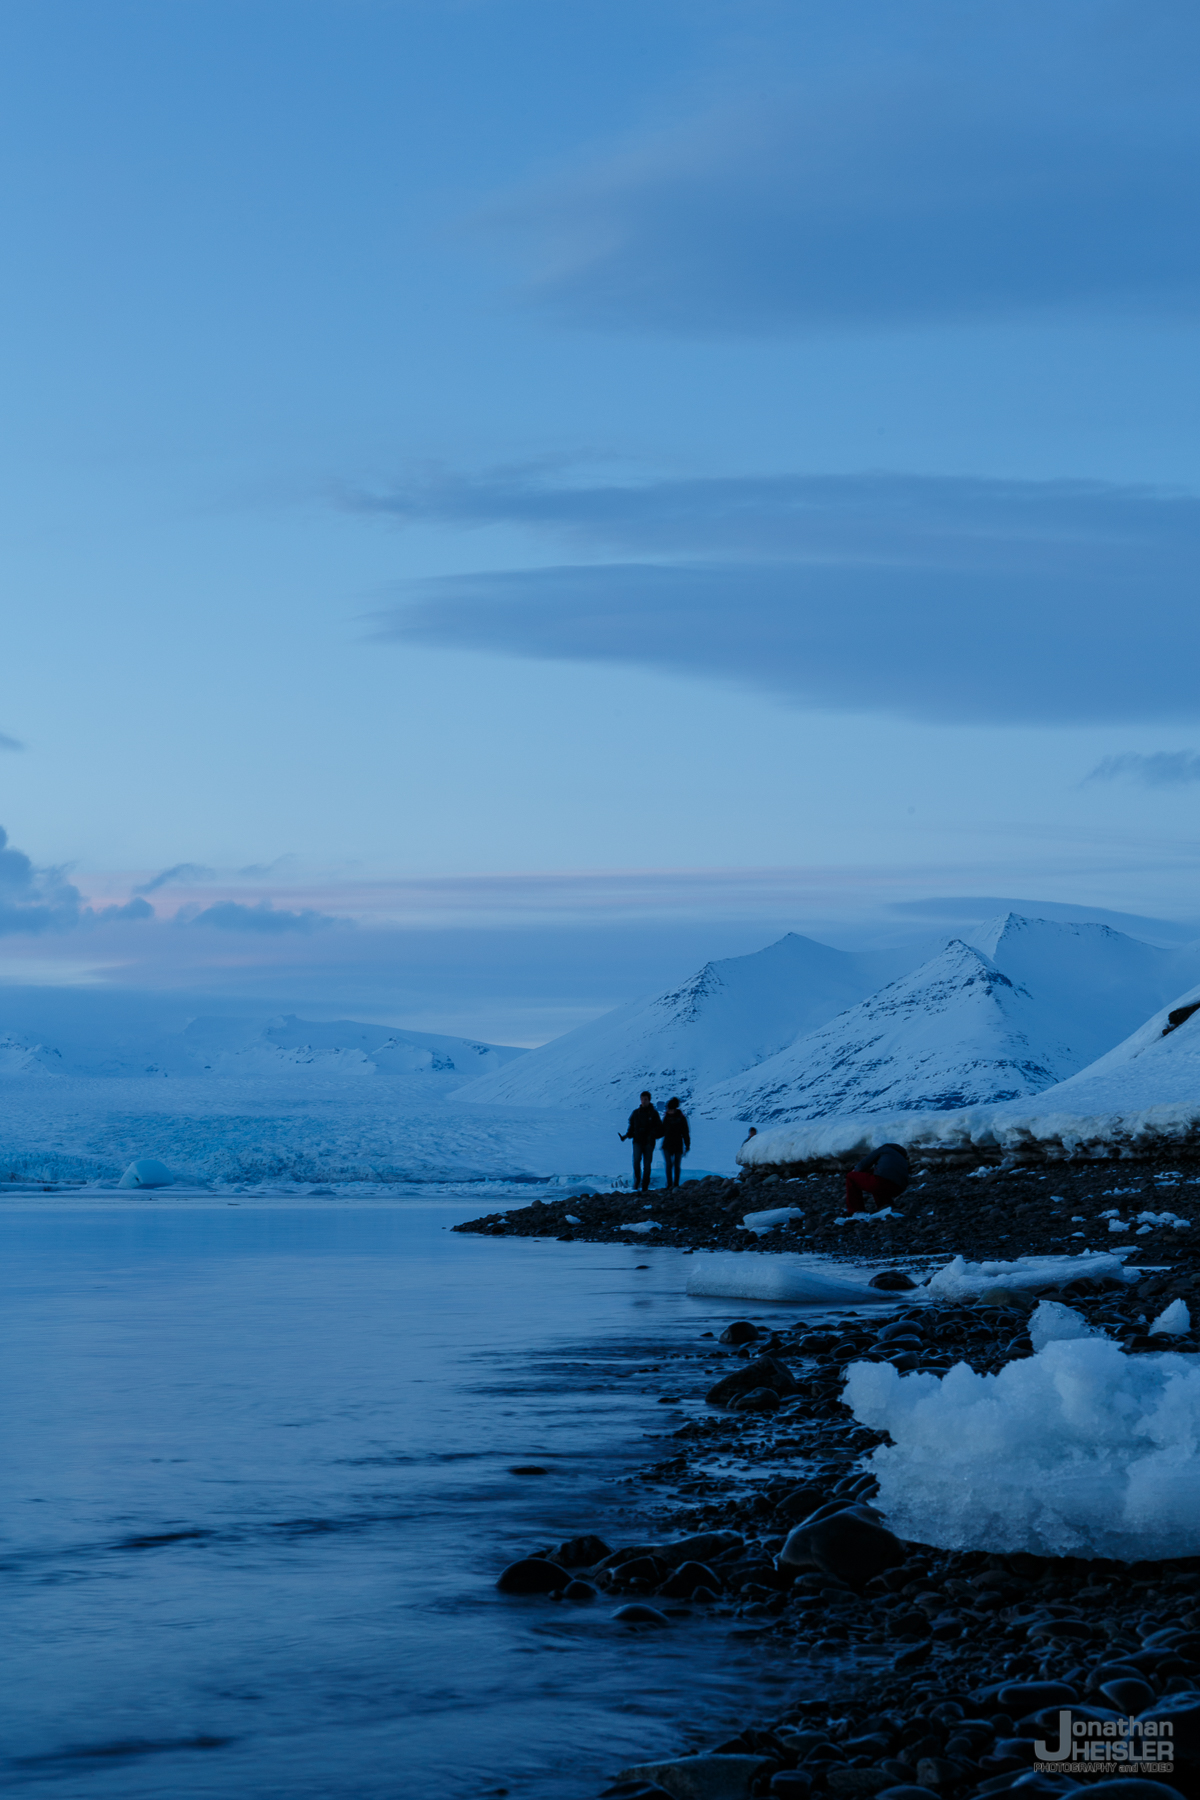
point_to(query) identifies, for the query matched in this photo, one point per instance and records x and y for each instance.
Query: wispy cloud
(177, 872)
(235, 915)
(1162, 768)
(1019, 160)
(932, 598)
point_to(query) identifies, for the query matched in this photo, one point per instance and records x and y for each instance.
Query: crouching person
(883, 1175)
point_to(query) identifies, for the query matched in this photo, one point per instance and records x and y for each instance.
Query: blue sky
(505, 500)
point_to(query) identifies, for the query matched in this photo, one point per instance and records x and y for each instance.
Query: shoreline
(936, 1673)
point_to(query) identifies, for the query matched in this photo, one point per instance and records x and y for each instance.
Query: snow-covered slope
(1140, 1096)
(955, 1032)
(728, 1017)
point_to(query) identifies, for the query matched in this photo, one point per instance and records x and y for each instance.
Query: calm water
(331, 1403)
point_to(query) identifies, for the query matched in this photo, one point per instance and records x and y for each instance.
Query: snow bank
(960, 1278)
(1079, 1450)
(751, 1276)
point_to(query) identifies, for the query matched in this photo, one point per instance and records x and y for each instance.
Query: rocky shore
(988, 1212)
(921, 1673)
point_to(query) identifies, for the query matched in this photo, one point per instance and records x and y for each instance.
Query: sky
(503, 501)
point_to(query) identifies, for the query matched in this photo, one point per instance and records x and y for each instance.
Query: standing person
(676, 1139)
(645, 1128)
(884, 1175)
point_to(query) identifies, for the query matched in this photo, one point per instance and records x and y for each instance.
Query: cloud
(987, 163)
(178, 872)
(1163, 768)
(951, 600)
(110, 915)
(34, 900)
(234, 915)
(10, 743)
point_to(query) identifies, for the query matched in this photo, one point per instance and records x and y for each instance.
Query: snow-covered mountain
(955, 1032)
(730, 1016)
(1098, 984)
(1141, 1097)
(287, 1048)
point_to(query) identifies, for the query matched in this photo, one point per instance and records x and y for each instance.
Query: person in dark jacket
(676, 1139)
(883, 1175)
(645, 1128)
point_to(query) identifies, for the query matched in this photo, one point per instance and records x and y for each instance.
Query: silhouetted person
(884, 1175)
(676, 1140)
(645, 1128)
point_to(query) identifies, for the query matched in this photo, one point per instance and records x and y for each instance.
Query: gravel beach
(920, 1672)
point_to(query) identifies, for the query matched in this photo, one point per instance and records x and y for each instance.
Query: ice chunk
(766, 1221)
(754, 1276)
(1173, 1322)
(960, 1278)
(1054, 1324)
(1079, 1450)
(147, 1172)
(643, 1225)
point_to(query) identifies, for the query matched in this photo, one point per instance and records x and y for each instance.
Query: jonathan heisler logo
(1135, 1746)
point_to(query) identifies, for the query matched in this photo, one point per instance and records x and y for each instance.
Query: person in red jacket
(883, 1175)
(645, 1128)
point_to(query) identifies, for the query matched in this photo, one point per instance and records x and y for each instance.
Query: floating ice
(1173, 1322)
(960, 1278)
(643, 1225)
(754, 1276)
(147, 1172)
(1079, 1450)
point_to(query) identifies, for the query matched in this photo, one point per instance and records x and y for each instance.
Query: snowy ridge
(955, 1032)
(284, 1046)
(728, 1017)
(1142, 1096)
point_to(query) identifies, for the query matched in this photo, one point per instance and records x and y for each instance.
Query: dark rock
(651, 1569)
(908, 1659)
(891, 1280)
(529, 1469)
(1132, 1787)
(857, 1781)
(532, 1575)
(740, 1332)
(690, 1576)
(1184, 1711)
(581, 1552)
(790, 1784)
(1020, 1697)
(906, 1790)
(849, 1544)
(937, 1772)
(1129, 1694)
(800, 1503)
(638, 1614)
(703, 1548)
(761, 1400)
(764, 1371)
(581, 1592)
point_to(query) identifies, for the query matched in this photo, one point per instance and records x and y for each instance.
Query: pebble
(846, 1544)
(638, 1614)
